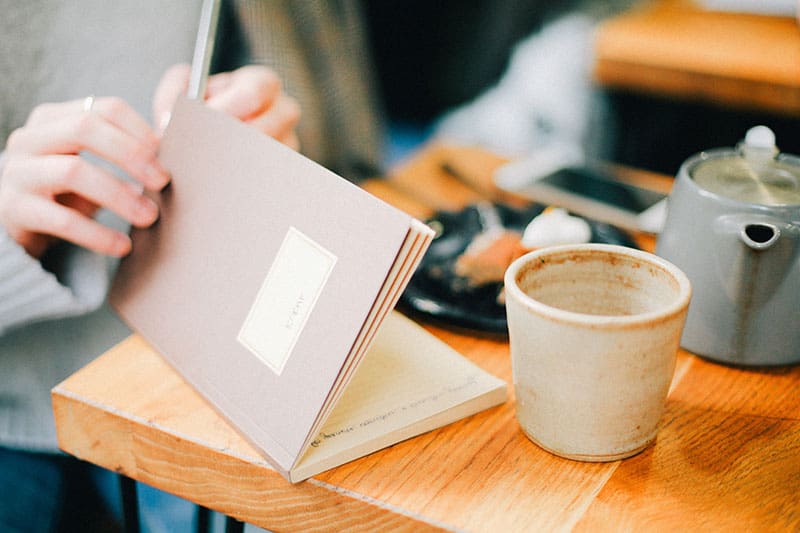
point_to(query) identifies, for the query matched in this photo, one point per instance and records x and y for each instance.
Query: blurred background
(647, 83)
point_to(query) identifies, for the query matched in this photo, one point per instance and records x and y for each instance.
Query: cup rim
(679, 305)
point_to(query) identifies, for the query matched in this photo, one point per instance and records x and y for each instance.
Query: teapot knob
(760, 137)
(758, 145)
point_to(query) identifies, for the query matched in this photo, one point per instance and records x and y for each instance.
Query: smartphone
(593, 193)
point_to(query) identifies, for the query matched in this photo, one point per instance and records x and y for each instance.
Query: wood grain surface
(727, 457)
(673, 48)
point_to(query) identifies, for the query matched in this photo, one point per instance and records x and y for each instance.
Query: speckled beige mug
(594, 331)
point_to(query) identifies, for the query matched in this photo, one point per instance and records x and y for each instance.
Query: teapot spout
(760, 235)
(754, 255)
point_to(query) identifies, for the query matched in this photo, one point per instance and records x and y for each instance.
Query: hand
(253, 94)
(48, 191)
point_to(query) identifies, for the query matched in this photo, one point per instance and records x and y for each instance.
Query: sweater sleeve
(29, 293)
(77, 283)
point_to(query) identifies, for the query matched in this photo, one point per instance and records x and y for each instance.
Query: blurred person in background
(510, 76)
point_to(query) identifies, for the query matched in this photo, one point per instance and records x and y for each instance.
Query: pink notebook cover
(248, 222)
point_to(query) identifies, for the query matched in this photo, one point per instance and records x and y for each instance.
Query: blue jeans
(42, 492)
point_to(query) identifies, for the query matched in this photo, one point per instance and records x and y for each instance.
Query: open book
(410, 382)
(264, 284)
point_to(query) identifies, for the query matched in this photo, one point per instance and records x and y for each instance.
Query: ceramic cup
(594, 332)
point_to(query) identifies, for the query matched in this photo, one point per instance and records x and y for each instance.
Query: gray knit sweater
(53, 319)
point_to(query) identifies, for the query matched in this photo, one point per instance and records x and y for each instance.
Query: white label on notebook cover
(286, 299)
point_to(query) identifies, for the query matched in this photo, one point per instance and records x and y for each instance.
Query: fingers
(81, 205)
(55, 175)
(57, 195)
(279, 120)
(115, 110)
(48, 190)
(173, 83)
(253, 94)
(245, 92)
(131, 148)
(292, 141)
(37, 216)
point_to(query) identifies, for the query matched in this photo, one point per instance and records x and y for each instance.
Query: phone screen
(592, 184)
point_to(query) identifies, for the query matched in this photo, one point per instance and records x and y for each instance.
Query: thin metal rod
(203, 49)
(130, 504)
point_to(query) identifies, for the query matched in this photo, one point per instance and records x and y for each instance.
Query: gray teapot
(733, 226)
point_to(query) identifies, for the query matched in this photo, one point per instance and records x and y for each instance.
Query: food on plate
(555, 226)
(486, 259)
(488, 256)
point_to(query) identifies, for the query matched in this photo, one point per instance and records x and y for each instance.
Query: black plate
(436, 292)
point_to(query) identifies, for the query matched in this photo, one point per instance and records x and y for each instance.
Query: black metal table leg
(233, 526)
(130, 504)
(203, 519)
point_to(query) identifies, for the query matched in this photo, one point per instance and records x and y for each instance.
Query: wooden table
(673, 48)
(727, 456)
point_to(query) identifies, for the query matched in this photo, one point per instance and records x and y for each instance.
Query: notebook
(264, 284)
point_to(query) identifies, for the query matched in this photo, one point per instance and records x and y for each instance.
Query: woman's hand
(253, 94)
(48, 191)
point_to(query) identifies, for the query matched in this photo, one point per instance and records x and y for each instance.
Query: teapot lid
(755, 172)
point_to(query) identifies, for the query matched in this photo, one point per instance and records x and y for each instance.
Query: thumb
(173, 83)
